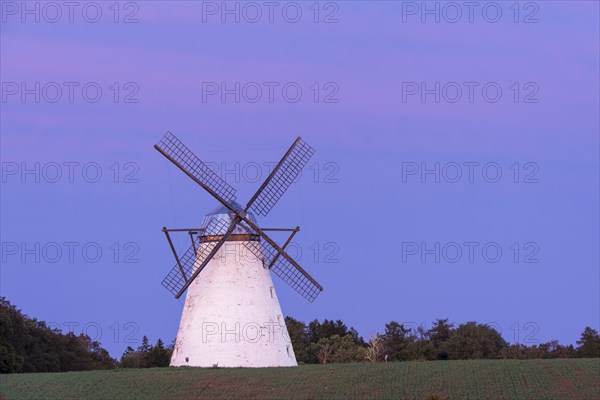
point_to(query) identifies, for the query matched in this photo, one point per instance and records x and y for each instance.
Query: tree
(158, 355)
(420, 350)
(550, 349)
(515, 351)
(299, 338)
(147, 356)
(589, 343)
(10, 361)
(326, 329)
(338, 349)
(356, 337)
(345, 350)
(145, 346)
(128, 351)
(396, 340)
(553, 349)
(376, 350)
(438, 335)
(131, 358)
(472, 341)
(315, 332)
(324, 349)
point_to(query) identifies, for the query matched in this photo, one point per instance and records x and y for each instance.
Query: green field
(559, 379)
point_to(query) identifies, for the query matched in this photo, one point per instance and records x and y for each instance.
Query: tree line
(333, 342)
(29, 345)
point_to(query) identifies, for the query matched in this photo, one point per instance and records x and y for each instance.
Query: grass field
(560, 379)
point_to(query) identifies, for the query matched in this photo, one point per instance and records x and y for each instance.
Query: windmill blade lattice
(281, 178)
(179, 154)
(298, 280)
(192, 259)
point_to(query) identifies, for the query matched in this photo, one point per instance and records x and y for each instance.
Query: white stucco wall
(231, 316)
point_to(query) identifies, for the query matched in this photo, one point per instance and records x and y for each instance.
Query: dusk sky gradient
(366, 136)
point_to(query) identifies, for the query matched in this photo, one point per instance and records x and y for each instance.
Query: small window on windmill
(279, 319)
(272, 294)
(187, 359)
(288, 350)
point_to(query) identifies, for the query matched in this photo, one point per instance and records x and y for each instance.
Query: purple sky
(352, 193)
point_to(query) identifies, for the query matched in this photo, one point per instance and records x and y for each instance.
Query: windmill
(231, 316)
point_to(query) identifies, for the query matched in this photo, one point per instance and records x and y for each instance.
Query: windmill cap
(225, 210)
(223, 213)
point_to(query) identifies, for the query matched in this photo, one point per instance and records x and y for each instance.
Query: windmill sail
(289, 271)
(180, 155)
(282, 176)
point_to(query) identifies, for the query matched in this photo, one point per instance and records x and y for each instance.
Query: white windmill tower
(231, 316)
